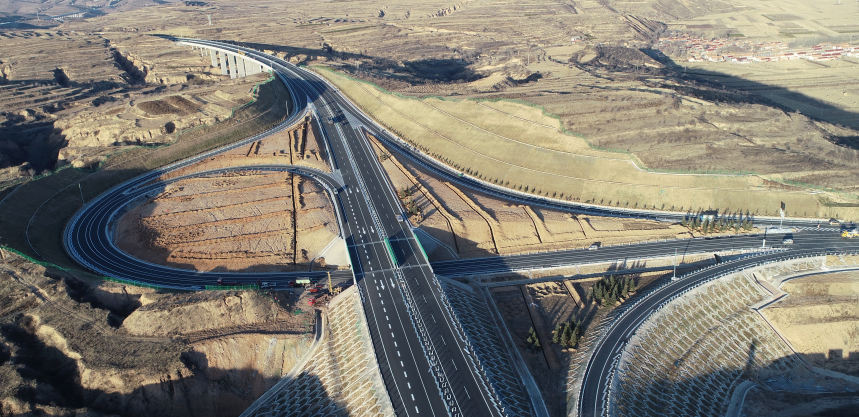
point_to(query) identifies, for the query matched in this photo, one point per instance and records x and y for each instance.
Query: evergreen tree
(556, 337)
(574, 334)
(565, 337)
(533, 341)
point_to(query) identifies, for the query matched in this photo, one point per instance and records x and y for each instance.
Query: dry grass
(518, 153)
(57, 197)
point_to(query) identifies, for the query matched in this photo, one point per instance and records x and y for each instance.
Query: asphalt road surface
(629, 254)
(593, 396)
(426, 364)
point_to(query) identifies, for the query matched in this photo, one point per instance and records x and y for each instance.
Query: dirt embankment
(70, 346)
(545, 306)
(246, 221)
(820, 318)
(463, 223)
(301, 145)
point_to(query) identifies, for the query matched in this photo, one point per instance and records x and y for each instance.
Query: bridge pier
(231, 64)
(232, 60)
(223, 63)
(241, 64)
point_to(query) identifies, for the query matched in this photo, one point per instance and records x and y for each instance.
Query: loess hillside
(71, 346)
(588, 62)
(73, 98)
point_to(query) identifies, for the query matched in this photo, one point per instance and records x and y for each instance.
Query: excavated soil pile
(463, 223)
(69, 346)
(820, 318)
(247, 221)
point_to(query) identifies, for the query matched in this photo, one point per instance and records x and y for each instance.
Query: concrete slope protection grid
(593, 399)
(426, 362)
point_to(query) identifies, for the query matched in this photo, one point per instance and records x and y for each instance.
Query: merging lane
(629, 254)
(426, 363)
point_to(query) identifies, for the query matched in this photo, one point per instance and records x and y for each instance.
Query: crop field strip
(260, 115)
(581, 179)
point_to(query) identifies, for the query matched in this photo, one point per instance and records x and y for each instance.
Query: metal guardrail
(612, 318)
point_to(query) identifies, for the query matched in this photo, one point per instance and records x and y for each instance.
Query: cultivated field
(488, 143)
(247, 222)
(82, 97)
(785, 19)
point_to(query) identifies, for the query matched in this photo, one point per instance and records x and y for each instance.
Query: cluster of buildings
(745, 52)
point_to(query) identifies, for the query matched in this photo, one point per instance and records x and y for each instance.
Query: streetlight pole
(675, 264)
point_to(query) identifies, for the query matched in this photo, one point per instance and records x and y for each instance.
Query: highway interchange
(425, 360)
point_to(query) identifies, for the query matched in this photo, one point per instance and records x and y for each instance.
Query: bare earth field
(821, 320)
(74, 347)
(301, 145)
(247, 222)
(543, 306)
(461, 223)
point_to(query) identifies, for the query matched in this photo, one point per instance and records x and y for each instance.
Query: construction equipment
(850, 233)
(331, 289)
